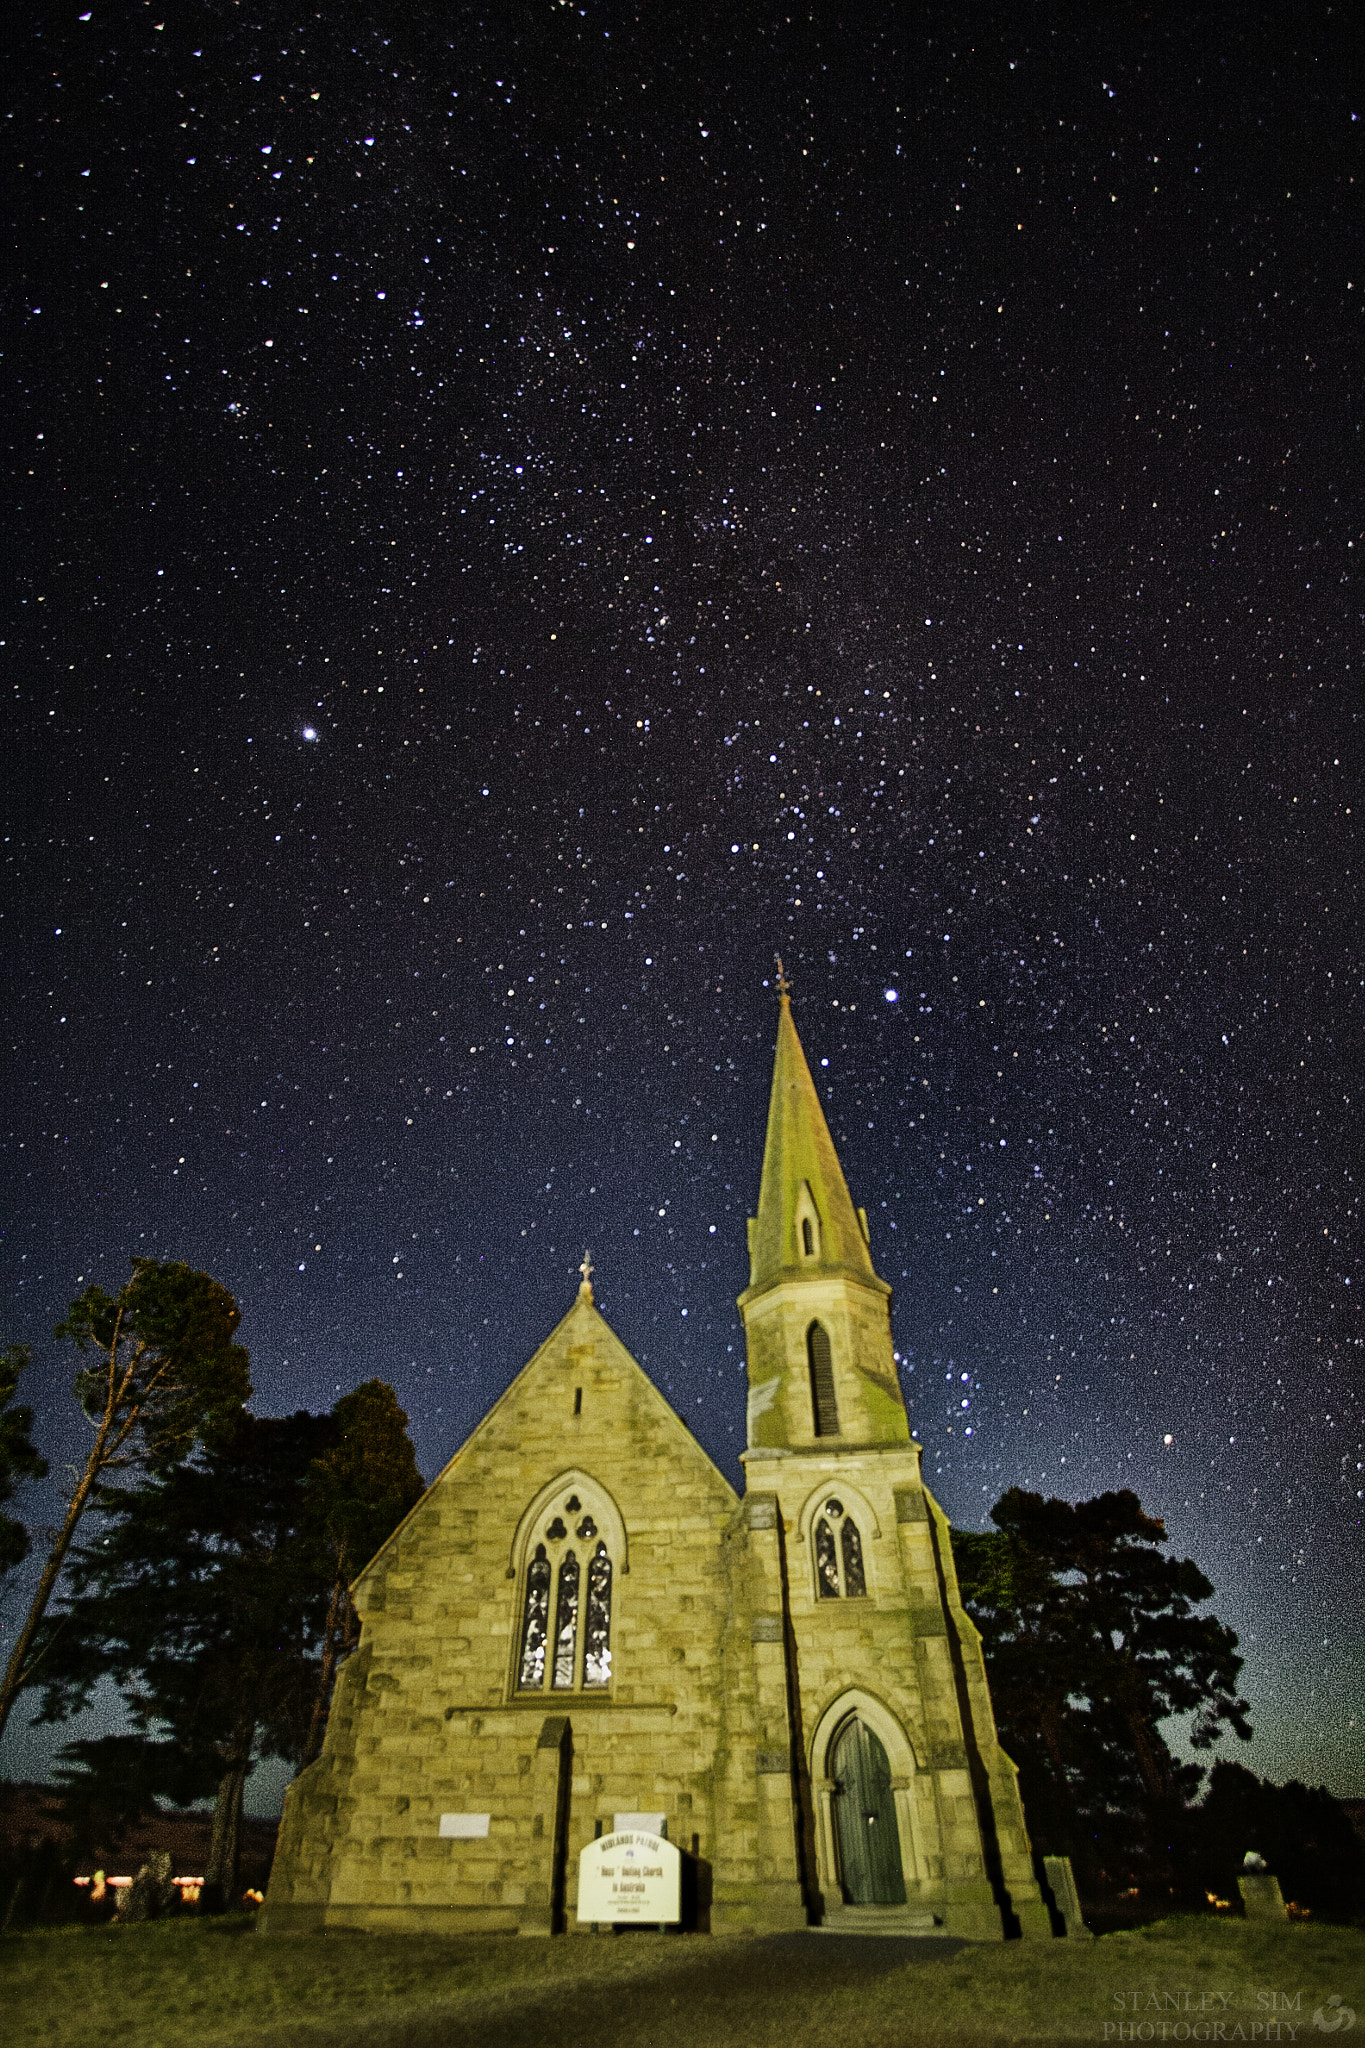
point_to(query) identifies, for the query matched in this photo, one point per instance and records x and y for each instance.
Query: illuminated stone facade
(582, 1620)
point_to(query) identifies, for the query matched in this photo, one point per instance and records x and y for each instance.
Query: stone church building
(582, 1626)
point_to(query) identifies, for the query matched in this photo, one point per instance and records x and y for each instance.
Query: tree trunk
(19, 1671)
(1153, 1758)
(317, 1726)
(222, 1873)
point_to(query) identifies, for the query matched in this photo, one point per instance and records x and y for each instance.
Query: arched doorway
(865, 1819)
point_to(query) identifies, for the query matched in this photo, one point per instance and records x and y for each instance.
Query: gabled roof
(799, 1154)
(583, 1323)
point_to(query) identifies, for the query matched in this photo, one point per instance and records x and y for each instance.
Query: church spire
(806, 1220)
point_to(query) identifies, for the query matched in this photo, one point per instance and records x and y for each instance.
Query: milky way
(521, 514)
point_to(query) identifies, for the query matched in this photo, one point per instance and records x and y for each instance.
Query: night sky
(522, 512)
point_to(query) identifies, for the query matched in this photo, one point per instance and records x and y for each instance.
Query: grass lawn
(193, 1984)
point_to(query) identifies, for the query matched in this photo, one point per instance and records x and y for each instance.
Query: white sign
(640, 1823)
(630, 1876)
(465, 1827)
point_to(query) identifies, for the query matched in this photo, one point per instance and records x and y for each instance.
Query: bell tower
(882, 1792)
(816, 1314)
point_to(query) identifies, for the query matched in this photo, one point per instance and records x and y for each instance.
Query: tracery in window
(535, 1619)
(597, 1636)
(824, 1409)
(575, 1547)
(839, 1569)
(566, 1623)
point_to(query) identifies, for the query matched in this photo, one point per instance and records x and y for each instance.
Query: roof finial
(585, 1267)
(784, 987)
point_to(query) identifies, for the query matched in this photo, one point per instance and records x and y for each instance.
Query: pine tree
(359, 1490)
(1092, 1641)
(215, 1596)
(167, 1376)
(18, 1457)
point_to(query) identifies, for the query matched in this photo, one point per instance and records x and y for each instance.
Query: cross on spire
(784, 987)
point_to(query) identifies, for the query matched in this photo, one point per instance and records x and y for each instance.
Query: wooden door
(865, 1812)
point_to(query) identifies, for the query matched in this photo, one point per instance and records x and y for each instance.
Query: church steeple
(817, 1325)
(806, 1221)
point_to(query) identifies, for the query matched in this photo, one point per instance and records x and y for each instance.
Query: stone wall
(428, 1717)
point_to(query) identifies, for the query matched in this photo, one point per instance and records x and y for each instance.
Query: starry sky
(520, 513)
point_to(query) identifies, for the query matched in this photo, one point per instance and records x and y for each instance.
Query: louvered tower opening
(823, 1407)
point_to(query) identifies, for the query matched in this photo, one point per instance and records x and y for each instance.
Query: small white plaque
(650, 1823)
(465, 1827)
(631, 1875)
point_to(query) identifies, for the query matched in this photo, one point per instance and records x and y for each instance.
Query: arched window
(535, 1620)
(572, 1656)
(826, 1561)
(566, 1623)
(824, 1411)
(850, 1544)
(807, 1238)
(597, 1645)
(838, 1561)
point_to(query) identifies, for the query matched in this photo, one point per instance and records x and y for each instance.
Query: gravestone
(1262, 1897)
(631, 1877)
(151, 1894)
(1062, 1884)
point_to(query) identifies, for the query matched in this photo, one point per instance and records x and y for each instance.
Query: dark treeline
(1092, 1641)
(202, 1566)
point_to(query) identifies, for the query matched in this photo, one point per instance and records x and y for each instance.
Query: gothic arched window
(597, 1638)
(571, 1656)
(851, 1546)
(824, 1410)
(826, 1561)
(838, 1562)
(566, 1622)
(535, 1620)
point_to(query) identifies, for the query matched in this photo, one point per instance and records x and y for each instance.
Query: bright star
(893, 995)
(310, 732)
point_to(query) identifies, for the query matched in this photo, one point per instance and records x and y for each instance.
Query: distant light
(310, 732)
(893, 995)
(1168, 1439)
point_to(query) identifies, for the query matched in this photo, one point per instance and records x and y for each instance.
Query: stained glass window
(824, 1409)
(855, 1584)
(536, 1619)
(597, 1640)
(839, 1565)
(826, 1562)
(566, 1622)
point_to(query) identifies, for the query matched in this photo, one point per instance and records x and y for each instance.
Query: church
(582, 1628)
